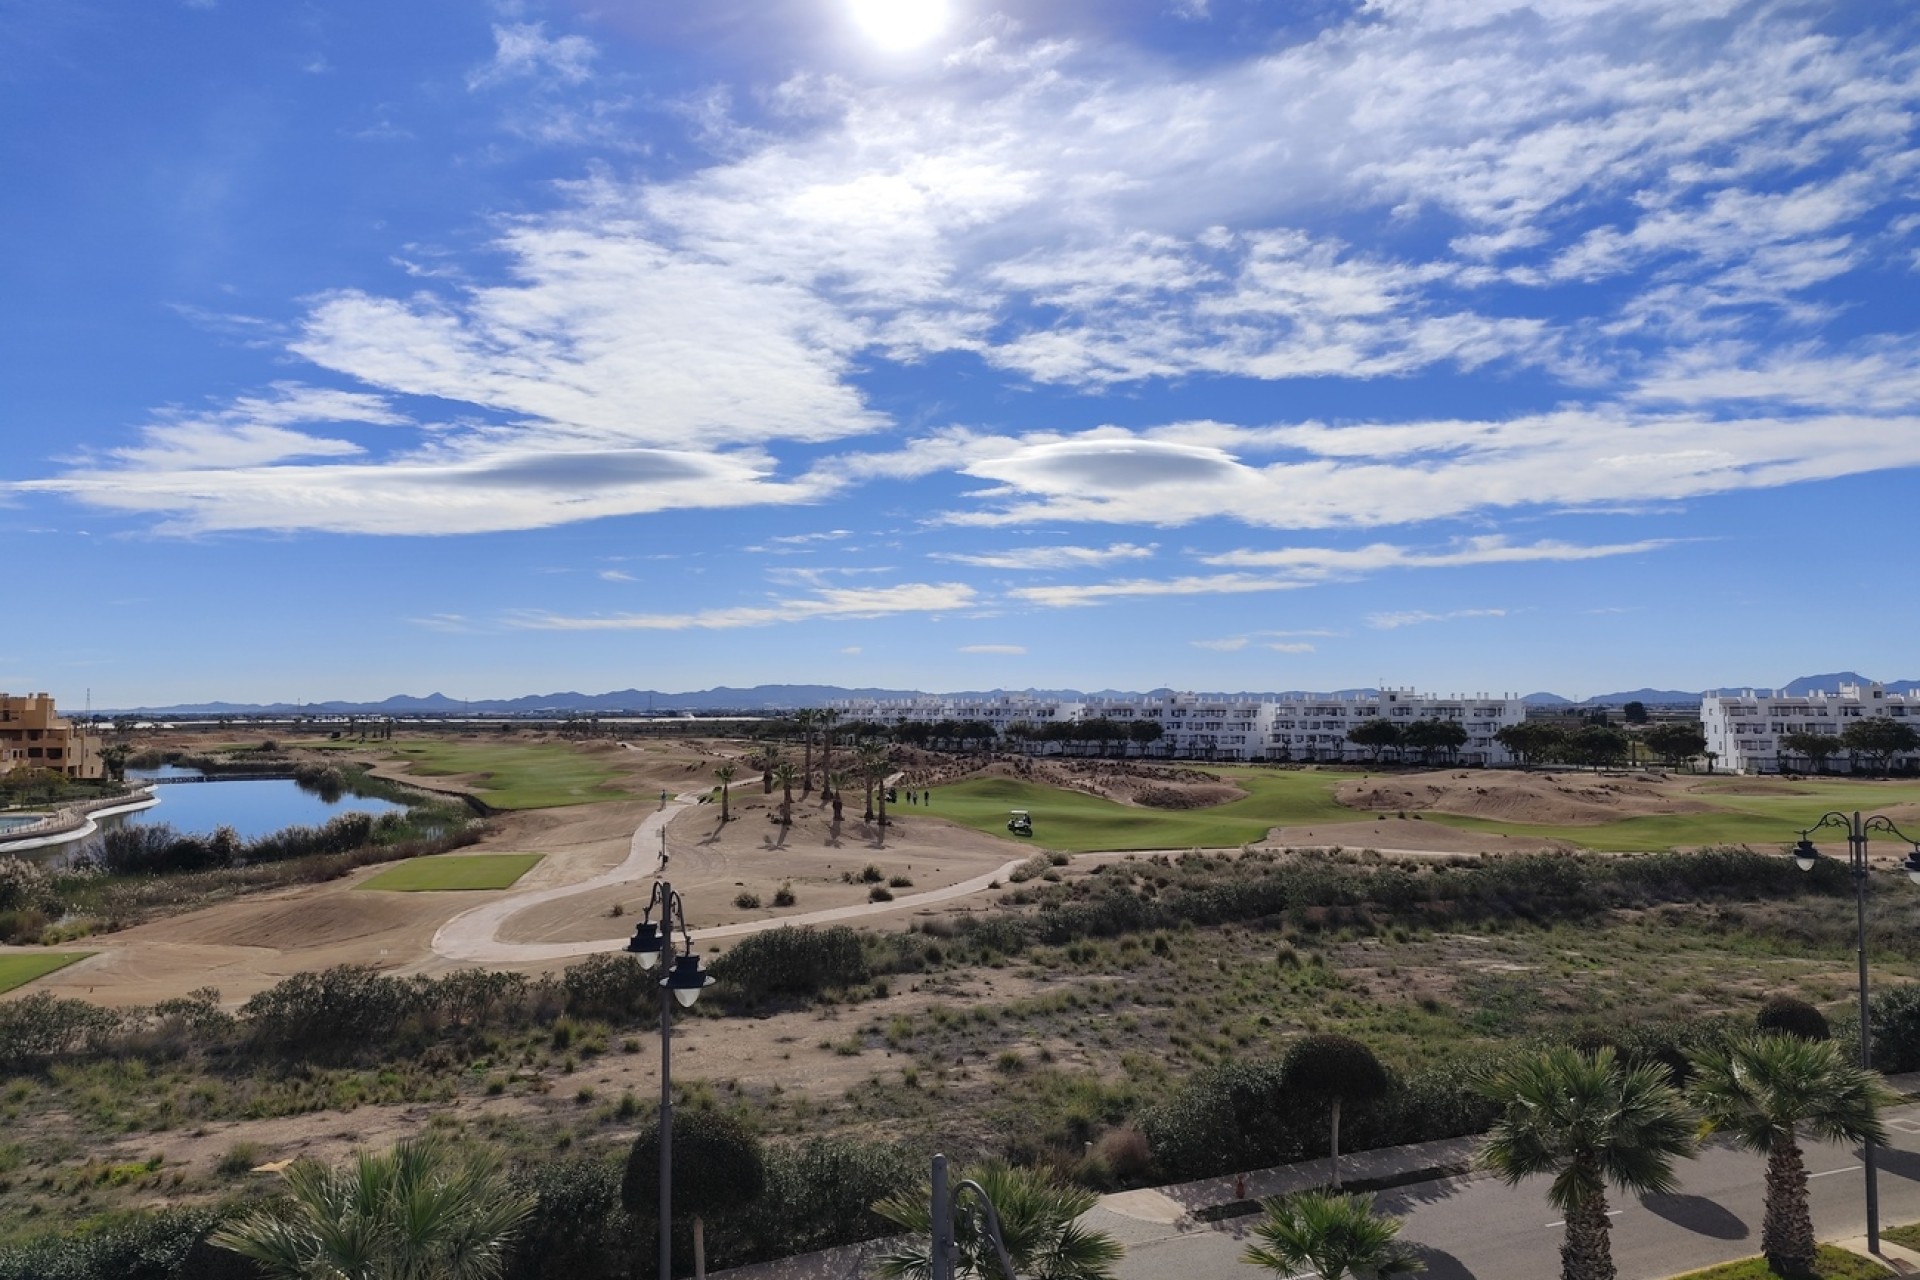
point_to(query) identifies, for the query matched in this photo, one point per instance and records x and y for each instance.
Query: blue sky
(356, 349)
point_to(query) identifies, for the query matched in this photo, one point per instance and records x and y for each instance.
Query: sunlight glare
(899, 25)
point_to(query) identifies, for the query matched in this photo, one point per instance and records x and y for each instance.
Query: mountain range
(787, 697)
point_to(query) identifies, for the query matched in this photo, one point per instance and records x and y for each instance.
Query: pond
(253, 807)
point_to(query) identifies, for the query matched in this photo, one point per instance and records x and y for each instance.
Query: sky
(356, 349)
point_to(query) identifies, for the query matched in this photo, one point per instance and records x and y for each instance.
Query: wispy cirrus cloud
(524, 49)
(1010, 650)
(830, 603)
(1039, 558)
(1420, 617)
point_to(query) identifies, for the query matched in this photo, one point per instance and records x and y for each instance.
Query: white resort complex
(1744, 730)
(1196, 726)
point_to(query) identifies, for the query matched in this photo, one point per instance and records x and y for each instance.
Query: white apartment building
(1193, 727)
(1744, 729)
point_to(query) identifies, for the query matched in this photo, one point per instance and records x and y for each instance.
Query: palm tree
(725, 773)
(806, 720)
(783, 775)
(765, 760)
(1588, 1121)
(835, 781)
(412, 1213)
(1338, 1236)
(1765, 1091)
(827, 718)
(871, 758)
(1039, 1222)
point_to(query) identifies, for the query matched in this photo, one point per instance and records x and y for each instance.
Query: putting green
(453, 871)
(18, 968)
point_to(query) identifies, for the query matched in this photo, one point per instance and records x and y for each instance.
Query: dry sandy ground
(713, 863)
(244, 946)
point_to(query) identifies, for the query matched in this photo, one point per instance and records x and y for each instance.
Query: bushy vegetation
(791, 961)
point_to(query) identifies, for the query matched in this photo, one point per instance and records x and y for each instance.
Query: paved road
(1476, 1228)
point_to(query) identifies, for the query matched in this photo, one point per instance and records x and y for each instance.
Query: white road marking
(1611, 1213)
(1828, 1173)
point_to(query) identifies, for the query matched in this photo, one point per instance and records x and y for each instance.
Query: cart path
(473, 937)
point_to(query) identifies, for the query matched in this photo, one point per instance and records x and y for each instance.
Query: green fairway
(1076, 823)
(453, 871)
(536, 776)
(19, 968)
(1759, 821)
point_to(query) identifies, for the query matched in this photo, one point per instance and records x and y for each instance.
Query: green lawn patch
(1076, 822)
(453, 871)
(19, 968)
(533, 776)
(1909, 1235)
(1829, 1264)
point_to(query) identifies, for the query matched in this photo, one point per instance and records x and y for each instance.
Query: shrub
(900, 882)
(792, 961)
(578, 1226)
(783, 896)
(1788, 1015)
(612, 988)
(871, 874)
(1895, 1028)
(26, 886)
(879, 893)
(718, 1165)
(39, 1027)
(746, 901)
(331, 1014)
(163, 1245)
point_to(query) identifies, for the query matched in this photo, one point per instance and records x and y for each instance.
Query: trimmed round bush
(1789, 1015)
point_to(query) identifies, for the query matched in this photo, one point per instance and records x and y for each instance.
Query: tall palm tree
(1765, 1092)
(783, 775)
(1338, 1236)
(1588, 1121)
(413, 1213)
(726, 774)
(835, 781)
(871, 758)
(1039, 1222)
(827, 717)
(806, 719)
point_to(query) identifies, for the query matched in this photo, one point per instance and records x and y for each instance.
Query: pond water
(253, 807)
(9, 821)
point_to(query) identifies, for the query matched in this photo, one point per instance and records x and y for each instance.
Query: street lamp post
(944, 1247)
(684, 981)
(1804, 857)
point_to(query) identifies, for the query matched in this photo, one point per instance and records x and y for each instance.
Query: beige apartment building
(33, 736)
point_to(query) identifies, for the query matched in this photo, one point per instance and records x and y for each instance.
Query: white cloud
(1418, 617)
(524, 49)
(1231, 644)
(1295, 646)
(838, 602)
(1037, 558)
(853, 651)
(617, 575)
(1013, 649)
(1066, 596)
(1485, 549)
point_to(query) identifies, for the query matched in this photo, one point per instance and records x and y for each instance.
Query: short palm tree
(827, 717)
(1766, 1092)
(413, 1213)
(1039, 1222)
(726, 774)
(1338, 1236)
(1588, 1121)
(783, 778)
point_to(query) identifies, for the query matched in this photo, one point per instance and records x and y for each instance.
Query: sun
(899, 25)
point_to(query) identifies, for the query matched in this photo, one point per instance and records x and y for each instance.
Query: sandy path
(473, 937)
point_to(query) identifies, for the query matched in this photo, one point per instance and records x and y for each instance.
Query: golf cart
(1020, 823)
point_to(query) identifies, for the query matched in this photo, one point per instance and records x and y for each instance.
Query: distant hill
(790, 697)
